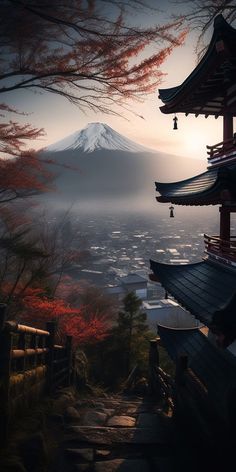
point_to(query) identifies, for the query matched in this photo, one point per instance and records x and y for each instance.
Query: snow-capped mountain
(97, 165)
(95, 137)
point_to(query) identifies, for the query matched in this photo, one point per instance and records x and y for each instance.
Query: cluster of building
(120, 251)
(159, 308)
(122, 245)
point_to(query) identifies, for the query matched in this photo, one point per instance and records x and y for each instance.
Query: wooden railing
(31, 365)
(193, 402)
(220, 246)
(219, 149)
(160, 384)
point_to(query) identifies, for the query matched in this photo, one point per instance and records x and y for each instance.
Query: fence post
(51, 327)
(154, 387)
(69, 357)
(5, 371)
(34, 345)
(21, 345)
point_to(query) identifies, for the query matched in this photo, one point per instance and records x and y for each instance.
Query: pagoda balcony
(220, 152)
(221, 249)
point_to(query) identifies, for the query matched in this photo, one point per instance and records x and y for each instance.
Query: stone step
(132, 465)
(121, 421)
(79, 454)
(121, 434)
(122, 465)
(112, 435)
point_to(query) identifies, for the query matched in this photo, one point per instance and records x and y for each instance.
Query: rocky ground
(121, 434)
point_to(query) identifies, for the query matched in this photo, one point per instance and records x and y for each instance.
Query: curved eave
(168, 94)
(173, 98)
(202, 189)
(188, 202)
(215, 367)
(202, 288)
(212, 187)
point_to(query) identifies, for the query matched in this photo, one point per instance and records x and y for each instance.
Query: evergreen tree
(126, 346)
(131, 326)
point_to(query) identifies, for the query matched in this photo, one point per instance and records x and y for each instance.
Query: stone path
(120, 434)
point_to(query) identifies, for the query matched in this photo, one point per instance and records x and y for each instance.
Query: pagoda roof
(213, 366)
(212, 187)
(202, 288)
(210, 89)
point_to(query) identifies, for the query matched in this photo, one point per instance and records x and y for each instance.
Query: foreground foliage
(126, 346)
(88, 53)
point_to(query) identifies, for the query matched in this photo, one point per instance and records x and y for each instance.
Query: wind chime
(171, 208)
(175, 120)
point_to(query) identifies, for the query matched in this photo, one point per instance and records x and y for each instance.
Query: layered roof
(200, 351)
(209, 188)
(210, 89)
(202, 288)
(213, 366)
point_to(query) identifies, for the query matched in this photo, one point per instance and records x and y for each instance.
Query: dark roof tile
(215, 367)
(202, 288)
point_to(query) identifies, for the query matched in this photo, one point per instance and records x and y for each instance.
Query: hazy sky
(59, 118)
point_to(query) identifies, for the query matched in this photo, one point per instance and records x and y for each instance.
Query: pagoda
(207, 288)
(210, 90)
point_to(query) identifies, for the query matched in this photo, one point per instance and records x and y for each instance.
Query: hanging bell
(175, 119)
(171, 208)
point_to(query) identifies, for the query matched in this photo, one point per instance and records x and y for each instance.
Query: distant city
(119, 245)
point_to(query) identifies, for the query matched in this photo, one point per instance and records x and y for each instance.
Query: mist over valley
(97, 168)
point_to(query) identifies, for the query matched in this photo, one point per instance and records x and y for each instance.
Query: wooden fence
(160, 383)
(31, 366)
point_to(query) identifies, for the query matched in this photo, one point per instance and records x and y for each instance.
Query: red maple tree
(88, 53)
(34, 285)
(38, 309)
(22, 173)
(85, 51)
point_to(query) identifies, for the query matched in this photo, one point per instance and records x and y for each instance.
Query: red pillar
(224, 224)
(227, 127)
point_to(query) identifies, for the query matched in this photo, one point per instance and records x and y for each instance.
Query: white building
(169, 313)
(129, 283)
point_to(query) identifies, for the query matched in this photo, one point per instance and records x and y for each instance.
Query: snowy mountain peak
(96, 136)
